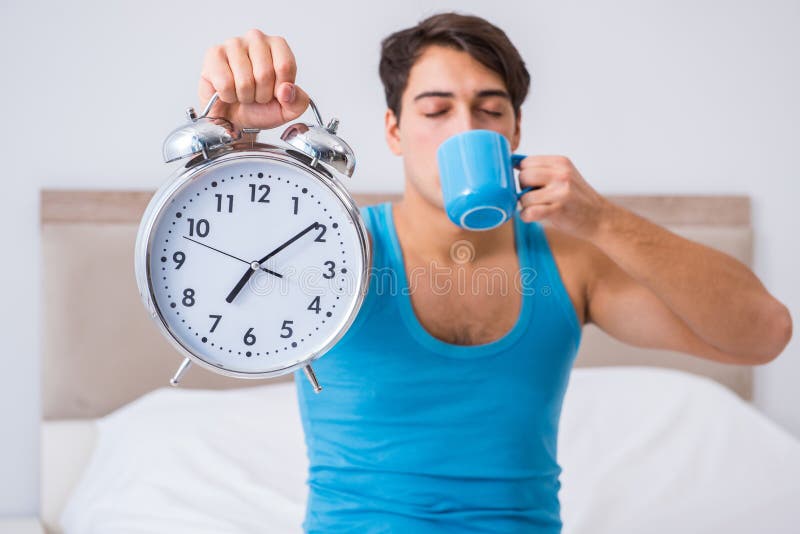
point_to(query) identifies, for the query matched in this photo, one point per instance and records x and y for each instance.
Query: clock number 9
(179, 257)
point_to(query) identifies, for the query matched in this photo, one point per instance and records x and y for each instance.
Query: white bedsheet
(643, 450)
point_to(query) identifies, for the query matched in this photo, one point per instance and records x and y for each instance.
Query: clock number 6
(287, 327)
(249, 338)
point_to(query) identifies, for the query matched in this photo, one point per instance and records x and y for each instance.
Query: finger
(547, 195)
(283, 61)
(535, 177)
(536, 213)
(218, 75)
(263, 71)
(293, 99)
(544, 161)
(242, 70)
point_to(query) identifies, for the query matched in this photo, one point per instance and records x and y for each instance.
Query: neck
(433, 237)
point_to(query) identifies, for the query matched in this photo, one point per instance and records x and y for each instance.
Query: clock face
(255, 265)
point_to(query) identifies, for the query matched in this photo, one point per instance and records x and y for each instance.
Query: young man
(442, 401)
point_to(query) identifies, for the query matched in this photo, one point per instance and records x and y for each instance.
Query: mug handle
(516, 159)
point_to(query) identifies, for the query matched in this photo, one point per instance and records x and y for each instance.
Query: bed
(651, 441)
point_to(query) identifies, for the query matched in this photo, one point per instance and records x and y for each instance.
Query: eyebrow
(481, 94)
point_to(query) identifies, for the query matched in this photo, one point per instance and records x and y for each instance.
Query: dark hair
(474, 35)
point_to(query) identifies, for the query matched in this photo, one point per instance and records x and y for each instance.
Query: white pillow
(658, 451)
(195, 461)
(642, 449)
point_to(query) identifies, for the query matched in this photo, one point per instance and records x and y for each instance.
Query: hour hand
(239, 285)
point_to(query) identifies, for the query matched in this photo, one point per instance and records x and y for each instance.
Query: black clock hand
(243, 280)
(300, 234)
(239, 285)
(232, 256)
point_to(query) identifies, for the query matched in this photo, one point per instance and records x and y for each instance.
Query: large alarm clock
(252, 258)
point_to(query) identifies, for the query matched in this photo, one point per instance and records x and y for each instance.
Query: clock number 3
(331, 266)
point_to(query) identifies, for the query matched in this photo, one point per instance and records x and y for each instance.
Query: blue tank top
(414, 434)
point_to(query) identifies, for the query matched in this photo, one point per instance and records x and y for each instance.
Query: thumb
(293, 100)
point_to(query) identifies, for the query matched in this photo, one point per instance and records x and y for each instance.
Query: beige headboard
(101, 350)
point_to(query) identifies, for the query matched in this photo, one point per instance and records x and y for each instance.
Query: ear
(392, 132)
(516, 137)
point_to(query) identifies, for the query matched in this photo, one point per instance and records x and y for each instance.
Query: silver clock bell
(203, 135)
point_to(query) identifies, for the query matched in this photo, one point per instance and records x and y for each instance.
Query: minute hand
(300, 234)
(240, 284)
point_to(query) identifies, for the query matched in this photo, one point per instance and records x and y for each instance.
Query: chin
(431, 191)
(435, 198)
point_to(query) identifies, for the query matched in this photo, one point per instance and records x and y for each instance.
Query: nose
(464, 120)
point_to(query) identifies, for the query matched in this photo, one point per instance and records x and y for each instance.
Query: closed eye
(488, 112)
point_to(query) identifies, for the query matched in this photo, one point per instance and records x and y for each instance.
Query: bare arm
(651, 287)
(701, 291)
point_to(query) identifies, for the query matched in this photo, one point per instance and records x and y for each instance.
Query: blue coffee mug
(477, 179)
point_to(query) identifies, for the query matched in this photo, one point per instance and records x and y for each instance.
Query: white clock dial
(255, 265)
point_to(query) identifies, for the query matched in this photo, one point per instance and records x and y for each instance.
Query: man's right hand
(254, 76)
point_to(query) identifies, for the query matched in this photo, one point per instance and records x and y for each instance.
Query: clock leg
(185, 365)
(312, 378)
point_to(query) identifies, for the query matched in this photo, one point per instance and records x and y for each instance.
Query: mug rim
(482, 207)
(474, 132)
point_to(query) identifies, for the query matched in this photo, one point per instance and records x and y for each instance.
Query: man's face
(448, 92)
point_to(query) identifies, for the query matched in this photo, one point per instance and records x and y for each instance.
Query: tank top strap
(547, 282)
(371, 214)
(373, 221)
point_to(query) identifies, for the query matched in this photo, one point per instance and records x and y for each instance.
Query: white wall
(644, 97)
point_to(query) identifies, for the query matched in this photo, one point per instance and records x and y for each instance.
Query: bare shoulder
(575, 259)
